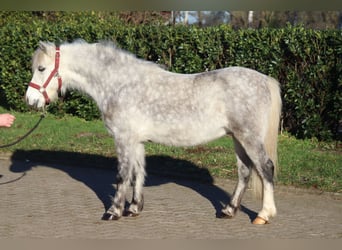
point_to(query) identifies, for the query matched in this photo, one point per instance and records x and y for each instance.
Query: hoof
(224, 216)
(259, 221)
(131, 214)
(109, 216)
(228, 212)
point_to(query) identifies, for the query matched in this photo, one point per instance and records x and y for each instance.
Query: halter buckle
(42, 90)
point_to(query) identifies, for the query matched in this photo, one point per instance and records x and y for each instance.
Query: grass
(302, 163)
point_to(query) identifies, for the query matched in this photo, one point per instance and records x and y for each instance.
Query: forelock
(37, 58)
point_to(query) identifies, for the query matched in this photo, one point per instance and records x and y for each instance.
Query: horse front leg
(131, 170)
(137, 203)
(123, 179)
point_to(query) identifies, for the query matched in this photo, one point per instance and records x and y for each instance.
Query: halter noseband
(54, 73)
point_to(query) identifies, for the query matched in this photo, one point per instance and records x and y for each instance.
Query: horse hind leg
(244, 170)
(265, 172)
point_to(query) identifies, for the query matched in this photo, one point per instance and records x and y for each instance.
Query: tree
(201, 18)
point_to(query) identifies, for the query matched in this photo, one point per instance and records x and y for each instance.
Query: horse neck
(80, 70)
(98, 72)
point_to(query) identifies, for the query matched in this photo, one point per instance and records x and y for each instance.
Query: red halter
(54, 73)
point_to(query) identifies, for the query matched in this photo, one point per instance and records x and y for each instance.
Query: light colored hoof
(259, 221)
(131, 214)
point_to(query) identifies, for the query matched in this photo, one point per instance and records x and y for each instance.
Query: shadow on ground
(83, 167)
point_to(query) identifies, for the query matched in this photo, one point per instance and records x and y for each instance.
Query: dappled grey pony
(141, 102)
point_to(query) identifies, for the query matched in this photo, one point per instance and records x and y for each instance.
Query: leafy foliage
(308, 63)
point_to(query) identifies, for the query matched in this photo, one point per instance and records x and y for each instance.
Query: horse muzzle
(35, 98)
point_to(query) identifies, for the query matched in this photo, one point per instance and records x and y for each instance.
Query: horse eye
(41, 68)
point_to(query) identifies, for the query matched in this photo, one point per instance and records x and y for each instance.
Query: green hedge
(308, 63)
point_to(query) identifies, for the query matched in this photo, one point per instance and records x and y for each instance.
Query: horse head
(46, 81)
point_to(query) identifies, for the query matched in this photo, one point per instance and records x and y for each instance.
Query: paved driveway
(60, 201)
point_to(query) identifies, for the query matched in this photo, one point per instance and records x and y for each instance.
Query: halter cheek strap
(54, 73)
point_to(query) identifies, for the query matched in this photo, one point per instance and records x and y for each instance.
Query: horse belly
(183, 135)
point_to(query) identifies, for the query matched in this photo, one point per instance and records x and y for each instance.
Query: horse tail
(271, 137)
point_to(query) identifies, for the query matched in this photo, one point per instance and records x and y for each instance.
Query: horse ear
(42, 46)
(46, 47)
